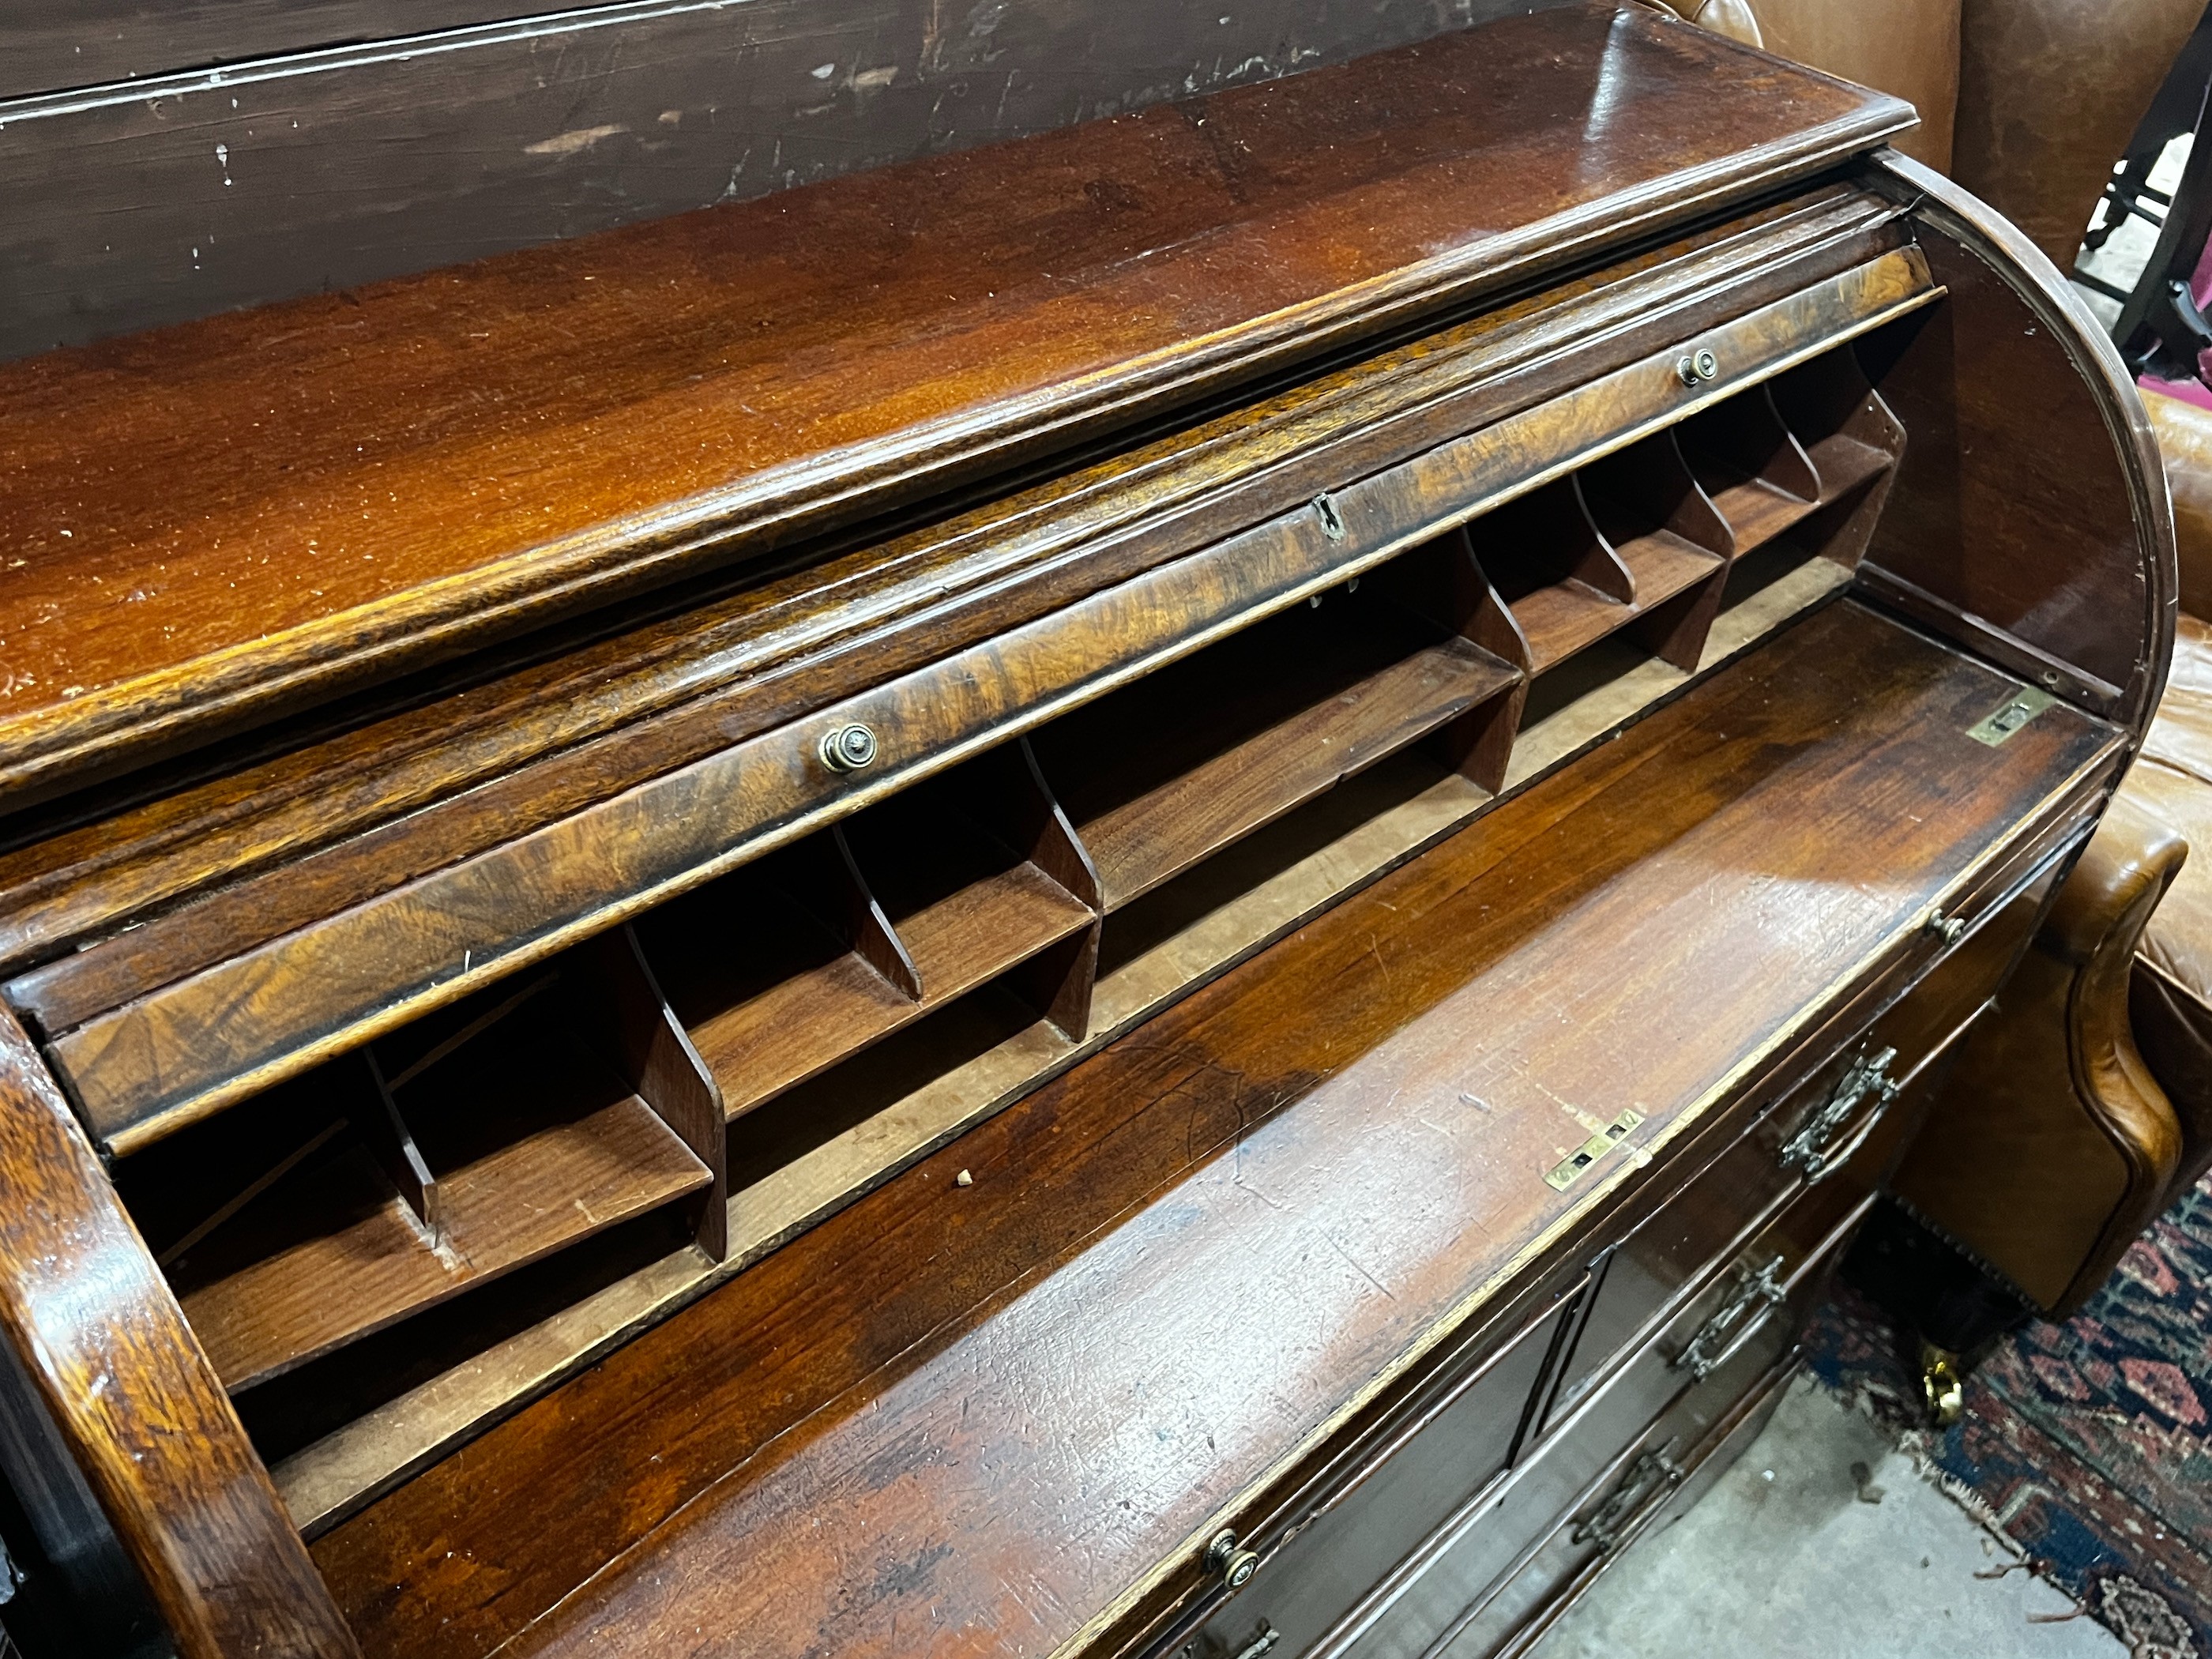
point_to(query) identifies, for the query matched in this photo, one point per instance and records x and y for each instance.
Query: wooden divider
(1162, 775)
(534, 1117)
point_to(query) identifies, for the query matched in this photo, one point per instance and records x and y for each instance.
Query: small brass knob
(1225, 1561)
(1946, 928)
(1697, 367)
(848, 748)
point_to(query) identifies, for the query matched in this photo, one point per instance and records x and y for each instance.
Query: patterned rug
(2089, 1443)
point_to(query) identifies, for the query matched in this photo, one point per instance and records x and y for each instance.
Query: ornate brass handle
(1653, 1474)
(1756, 1295)
(1811, 1152)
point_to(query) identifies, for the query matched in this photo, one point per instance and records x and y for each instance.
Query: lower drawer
(1655, 1487)
(1452, 1444)
(1651, 1477)
(1686, 1380)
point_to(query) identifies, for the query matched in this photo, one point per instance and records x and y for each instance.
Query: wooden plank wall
(162, 162)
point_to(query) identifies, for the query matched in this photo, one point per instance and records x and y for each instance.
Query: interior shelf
(965, 904)
(1616, 543)
(1750, 465)
(784, 969)
(958, 925)
(771, 991)
(1161, 774)
(1843, 463)
(533, 1141)
(1553, 570)
(1848, 433)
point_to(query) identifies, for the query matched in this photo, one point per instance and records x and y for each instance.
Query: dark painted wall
(143, 186)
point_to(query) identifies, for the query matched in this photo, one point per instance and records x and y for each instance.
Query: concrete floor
(1797, 1552)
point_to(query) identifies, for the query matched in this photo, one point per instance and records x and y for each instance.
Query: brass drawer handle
(848, 748)
(1811, 1152)
(1733, 1323)
(1946, 928)
(1263, 1642)
(1650, 1477)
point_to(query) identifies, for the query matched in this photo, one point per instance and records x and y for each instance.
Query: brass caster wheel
(1946, 1390)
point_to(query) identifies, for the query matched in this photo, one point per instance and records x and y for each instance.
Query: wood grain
(966, 906)
(138, 1406)
(470, 451)
(534, 1150)
(420, 788)
(1991, 482)
(81, 43)
(1762, 867)
(351, 156)
(353, 1466)
(1175, 767)
(151, 1066)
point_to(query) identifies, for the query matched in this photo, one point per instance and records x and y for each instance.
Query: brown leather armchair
(2052, 1145)
(2050, 92)
(2081, 1107)
(1907, 48)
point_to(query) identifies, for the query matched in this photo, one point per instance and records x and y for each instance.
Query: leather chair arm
(2051, 1146)
(2185, 440)
(1733, 18)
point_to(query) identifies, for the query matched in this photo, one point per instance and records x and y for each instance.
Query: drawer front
(1447, 1444)
(1837, 1129)
(1668, 1471)
(1707, 1355)
(1715, 1358)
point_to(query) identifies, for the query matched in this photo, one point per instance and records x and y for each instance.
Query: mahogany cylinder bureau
(1162, 891)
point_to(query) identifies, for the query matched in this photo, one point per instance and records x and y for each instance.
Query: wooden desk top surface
(205, 526)
(968, 1421)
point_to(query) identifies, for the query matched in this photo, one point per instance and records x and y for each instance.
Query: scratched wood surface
(989, 1444)
(343, 142)
(147, 1068)
(469, 451)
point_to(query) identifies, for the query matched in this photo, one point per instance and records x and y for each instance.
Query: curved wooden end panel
(2029, 518)
(108, 1352)
(2051, 1146)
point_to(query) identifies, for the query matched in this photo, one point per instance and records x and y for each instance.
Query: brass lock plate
(2009, 716)
(1570, 1168)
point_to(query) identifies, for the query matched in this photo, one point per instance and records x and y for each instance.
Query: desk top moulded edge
(213, 524)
